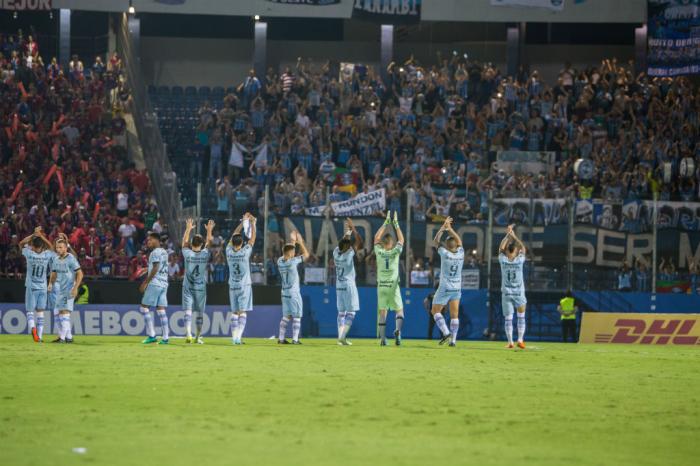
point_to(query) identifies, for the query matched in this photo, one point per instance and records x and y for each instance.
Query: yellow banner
(645, 329)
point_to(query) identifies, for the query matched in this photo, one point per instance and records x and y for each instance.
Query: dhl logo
(646, 332)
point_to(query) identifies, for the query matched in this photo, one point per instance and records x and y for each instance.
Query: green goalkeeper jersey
(388, 265)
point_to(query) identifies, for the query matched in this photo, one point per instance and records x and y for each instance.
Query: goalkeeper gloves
(396, 219)
(388, 218)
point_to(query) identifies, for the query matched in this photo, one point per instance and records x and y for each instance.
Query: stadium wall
(121, 316)
(224, 62)
(593, 11)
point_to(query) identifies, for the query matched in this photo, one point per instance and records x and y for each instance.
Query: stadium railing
(161, 173)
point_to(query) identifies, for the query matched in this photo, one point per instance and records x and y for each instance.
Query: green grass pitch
(320, 404)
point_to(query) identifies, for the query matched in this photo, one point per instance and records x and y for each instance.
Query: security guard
(568, 309)
(83, 294)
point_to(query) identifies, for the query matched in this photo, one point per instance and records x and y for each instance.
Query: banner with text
(388, 11)
(25, 5)
(592, 245)
(673, 37)
(637, 216)
(361, 205)
(645, 329)
(555, 5)
(121, 319)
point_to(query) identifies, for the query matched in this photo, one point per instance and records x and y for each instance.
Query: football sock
(69, 327)
(296, 328)
(40, 324)
(399, 323)
(440, 321)
(508, 327)
(242, 319)
(30, 321)
(199, 322)
(64, 321)
(234, 325)
(454, 328)
(188, 323)
(349, 317)
(148, 318)
(341, 322)
(382, 327)
(283, 327)
(521, 326)
(164, 323)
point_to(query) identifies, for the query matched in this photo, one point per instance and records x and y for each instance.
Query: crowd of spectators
(437, 129)
(433, 132)
(64, 164)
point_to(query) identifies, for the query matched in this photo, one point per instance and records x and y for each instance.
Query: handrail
(146, 121)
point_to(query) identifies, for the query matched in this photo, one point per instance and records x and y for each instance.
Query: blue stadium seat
(163, 90)
(176, 91)
(204, 91)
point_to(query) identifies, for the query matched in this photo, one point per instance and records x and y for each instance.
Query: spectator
(624, 278)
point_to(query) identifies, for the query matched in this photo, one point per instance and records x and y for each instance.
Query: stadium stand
(435, 129)
(65, 165)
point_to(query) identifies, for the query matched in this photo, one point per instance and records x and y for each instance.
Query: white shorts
(64, 302)
(443, 297)
(34, 300)
(511, 303)
(292, 305)
(347, 299)
(241, 298)
(155, 296)
(194, 300)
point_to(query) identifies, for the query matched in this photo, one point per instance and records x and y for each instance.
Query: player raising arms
(388, 253)
(449, 291)
(347, 298)
(38, 252)
(66, 271)
(292, 307)
(512, 257)
(194, 285)
(239, 282)
(155, 290)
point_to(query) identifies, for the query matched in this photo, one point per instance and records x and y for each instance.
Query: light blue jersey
(451, 264)
(450, 288)
(347, 298)
(290, 274)
(291, 296)
(512, 283)
(238, 266)
(196, 263)
(37, 268)
(65, 268)
(344, 267)
(158, 256)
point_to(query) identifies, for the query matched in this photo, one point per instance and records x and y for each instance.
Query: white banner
(420, 277)
(470, 279)
(556, 5)
(362, 205)
(314, 275)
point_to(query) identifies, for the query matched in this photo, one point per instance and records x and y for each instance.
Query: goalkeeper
(388, 254)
